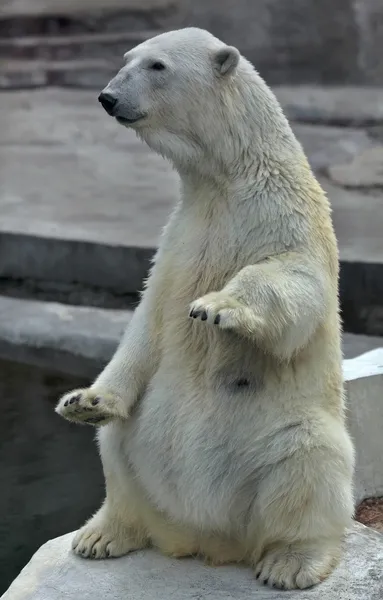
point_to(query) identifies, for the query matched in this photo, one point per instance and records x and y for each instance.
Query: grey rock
(54, 574)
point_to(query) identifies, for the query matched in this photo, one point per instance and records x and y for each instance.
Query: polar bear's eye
(157, 66)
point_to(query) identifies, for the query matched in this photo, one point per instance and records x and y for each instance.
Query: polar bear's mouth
(125, 121)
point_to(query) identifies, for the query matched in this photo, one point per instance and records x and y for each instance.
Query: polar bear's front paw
(214, 308)
(88, 406)
(222, 310)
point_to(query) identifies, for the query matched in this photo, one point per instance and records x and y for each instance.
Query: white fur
(225, 438)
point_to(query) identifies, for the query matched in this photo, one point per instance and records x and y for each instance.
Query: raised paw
(101, 541)
(215, 308)
(296, 566)
(225, 312)
(88, 406)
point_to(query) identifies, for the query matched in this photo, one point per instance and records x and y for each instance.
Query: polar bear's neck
(237, 140)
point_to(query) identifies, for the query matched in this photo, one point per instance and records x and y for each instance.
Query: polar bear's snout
(108, 102)
(120, 106)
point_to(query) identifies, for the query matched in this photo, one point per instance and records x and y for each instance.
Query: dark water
(50, 473)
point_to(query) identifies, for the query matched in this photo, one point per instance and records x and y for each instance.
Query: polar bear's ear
(226, 60)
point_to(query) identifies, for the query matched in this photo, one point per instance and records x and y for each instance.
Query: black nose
(108, 102)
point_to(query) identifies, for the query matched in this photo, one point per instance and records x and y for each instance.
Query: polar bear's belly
(195, 454)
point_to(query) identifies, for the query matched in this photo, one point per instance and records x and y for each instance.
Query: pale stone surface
(364, 377)
(365, 170)
(54, 574)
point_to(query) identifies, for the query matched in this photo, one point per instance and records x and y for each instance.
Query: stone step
(87, 73)
(68, 47)
(79, 340)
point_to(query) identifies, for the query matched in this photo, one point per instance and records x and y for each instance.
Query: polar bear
(221, 415)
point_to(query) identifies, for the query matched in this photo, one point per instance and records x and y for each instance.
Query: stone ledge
(79, 340)
(54, 573)
(332, 105)
(86, 73)
(74, 340)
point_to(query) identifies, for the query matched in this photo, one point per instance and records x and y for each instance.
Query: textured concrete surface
(54, 573)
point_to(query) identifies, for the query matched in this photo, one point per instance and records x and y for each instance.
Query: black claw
(266, 581)
(75, 399)
(66, 402)
(217, 319)
(204, 316)
(191, 313)
(95, 401)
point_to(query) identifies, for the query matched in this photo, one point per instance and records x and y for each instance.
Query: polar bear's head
(174, 91)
